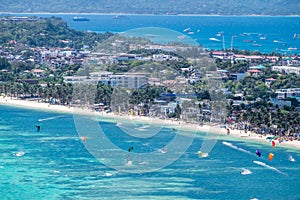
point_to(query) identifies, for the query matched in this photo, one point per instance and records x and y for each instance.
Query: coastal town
(149, 100)
(260, 90)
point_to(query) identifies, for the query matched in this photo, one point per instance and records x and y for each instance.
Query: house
(38, 72)
(268, 81)
(236, 76)
(282, 94)
(253, 72)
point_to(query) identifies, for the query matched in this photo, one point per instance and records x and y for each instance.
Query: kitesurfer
(38, 128)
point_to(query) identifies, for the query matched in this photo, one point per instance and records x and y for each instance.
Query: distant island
(199, 7)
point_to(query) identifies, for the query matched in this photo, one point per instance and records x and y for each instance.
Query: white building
(123, 80)
(291, 92)
(287, 69)
(129, 80)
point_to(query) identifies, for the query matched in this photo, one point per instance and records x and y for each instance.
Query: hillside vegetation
(46, 32)
(220, 7)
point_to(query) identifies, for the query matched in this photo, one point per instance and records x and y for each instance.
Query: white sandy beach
(28, 104)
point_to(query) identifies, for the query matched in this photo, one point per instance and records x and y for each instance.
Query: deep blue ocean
(55, 164)
(263, 33)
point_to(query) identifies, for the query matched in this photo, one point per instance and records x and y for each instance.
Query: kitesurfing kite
(271, 156)
(200, 154)
(258, 153)
(273, 143)
(130, 148)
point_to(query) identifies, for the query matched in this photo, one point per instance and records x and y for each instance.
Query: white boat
(19, 154)
(296, 36)
(263, 38)
(219, 34)
(187, 30)
(191, 33)
(292, 159)
(292, 48)
(246, 172)
(215, 39)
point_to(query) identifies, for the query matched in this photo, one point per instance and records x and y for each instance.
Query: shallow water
(56, 165)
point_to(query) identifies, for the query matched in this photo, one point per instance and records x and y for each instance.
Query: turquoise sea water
(56, 165)
(262, 33)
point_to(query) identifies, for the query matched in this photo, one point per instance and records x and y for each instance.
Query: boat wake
(49, 118)
(228, 144)
(268, 166)
(246, 171)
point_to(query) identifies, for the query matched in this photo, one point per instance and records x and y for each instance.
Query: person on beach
(228, 131)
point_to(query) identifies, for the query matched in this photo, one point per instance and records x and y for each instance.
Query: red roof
(218, 53)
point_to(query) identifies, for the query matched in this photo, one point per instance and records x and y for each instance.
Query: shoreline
(145, 14)
(234, 133)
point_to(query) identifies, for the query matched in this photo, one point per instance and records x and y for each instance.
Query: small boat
(191, 33)
(292, 159)
(296, 36)
(292, 48)
(80, 19)
(248, 41)
(187, 30)
(219, 34)
(215, 39)
(245, 171)
(263, 38)
(19, 154)
(118, 16)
